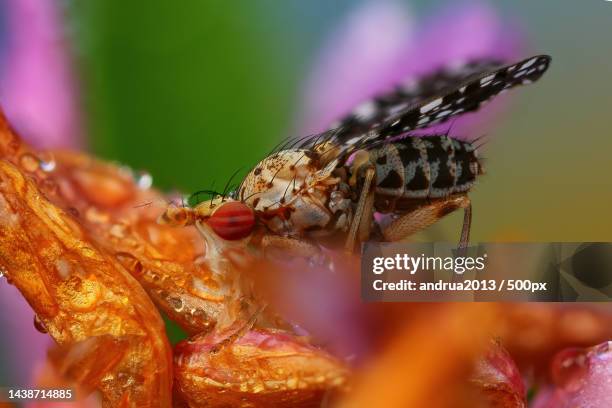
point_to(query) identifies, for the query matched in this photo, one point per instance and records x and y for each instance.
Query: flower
(37, 85)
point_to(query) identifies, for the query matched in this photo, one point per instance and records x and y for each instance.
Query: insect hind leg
(425, 215)
(465, 229)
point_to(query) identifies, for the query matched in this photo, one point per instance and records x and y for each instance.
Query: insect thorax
(291, 192)
(423, 168)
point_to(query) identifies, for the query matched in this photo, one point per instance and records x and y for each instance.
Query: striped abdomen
(425, 167)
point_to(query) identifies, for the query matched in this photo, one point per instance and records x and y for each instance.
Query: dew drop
(153, 276)
(96, 216)
(292, 383)
(39, 325)
(64, 269)
(47, 166)
(603, 348)
(570, 368)
(129, 262)
(144, 181)
(73, 211)
(29, 162)
(176, 303)
(118, 230)
(88, 252)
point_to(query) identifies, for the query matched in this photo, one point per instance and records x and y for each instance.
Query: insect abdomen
(425, 167)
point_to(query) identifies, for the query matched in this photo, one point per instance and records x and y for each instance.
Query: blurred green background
(193, 90)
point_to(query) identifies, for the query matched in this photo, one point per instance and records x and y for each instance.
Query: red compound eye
(232, 220)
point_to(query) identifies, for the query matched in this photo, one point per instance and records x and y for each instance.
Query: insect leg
(362, 219)
(427, 214)
(467, 224)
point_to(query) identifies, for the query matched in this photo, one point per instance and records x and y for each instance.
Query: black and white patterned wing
(408, 94)
(434, 99)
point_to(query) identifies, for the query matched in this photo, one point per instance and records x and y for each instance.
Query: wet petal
(81, 297)
(260, 368)
(582, 379)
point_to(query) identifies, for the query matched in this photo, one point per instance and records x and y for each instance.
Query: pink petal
(37, 87)
(583, 378)
(24, 345)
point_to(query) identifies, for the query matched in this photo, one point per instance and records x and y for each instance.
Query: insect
(327, 187)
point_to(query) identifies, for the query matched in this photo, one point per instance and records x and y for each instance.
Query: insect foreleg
(425, 215)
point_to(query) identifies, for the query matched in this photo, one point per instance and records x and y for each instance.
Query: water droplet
(64, 269)
(48, 166)
(292, 383)
(96, 216)
(89, 252)
(80, 294)
(153, 276)
(144, 181)
(29, 162)
(39, 325)
(569, 369)
(603, 348)
(176, 303)
(118, 230)
(73, 211)
(129, 262)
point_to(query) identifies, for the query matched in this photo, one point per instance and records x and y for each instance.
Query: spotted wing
(450, 92)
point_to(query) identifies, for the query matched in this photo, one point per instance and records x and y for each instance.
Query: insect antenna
(149, 203)
(194, 197)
